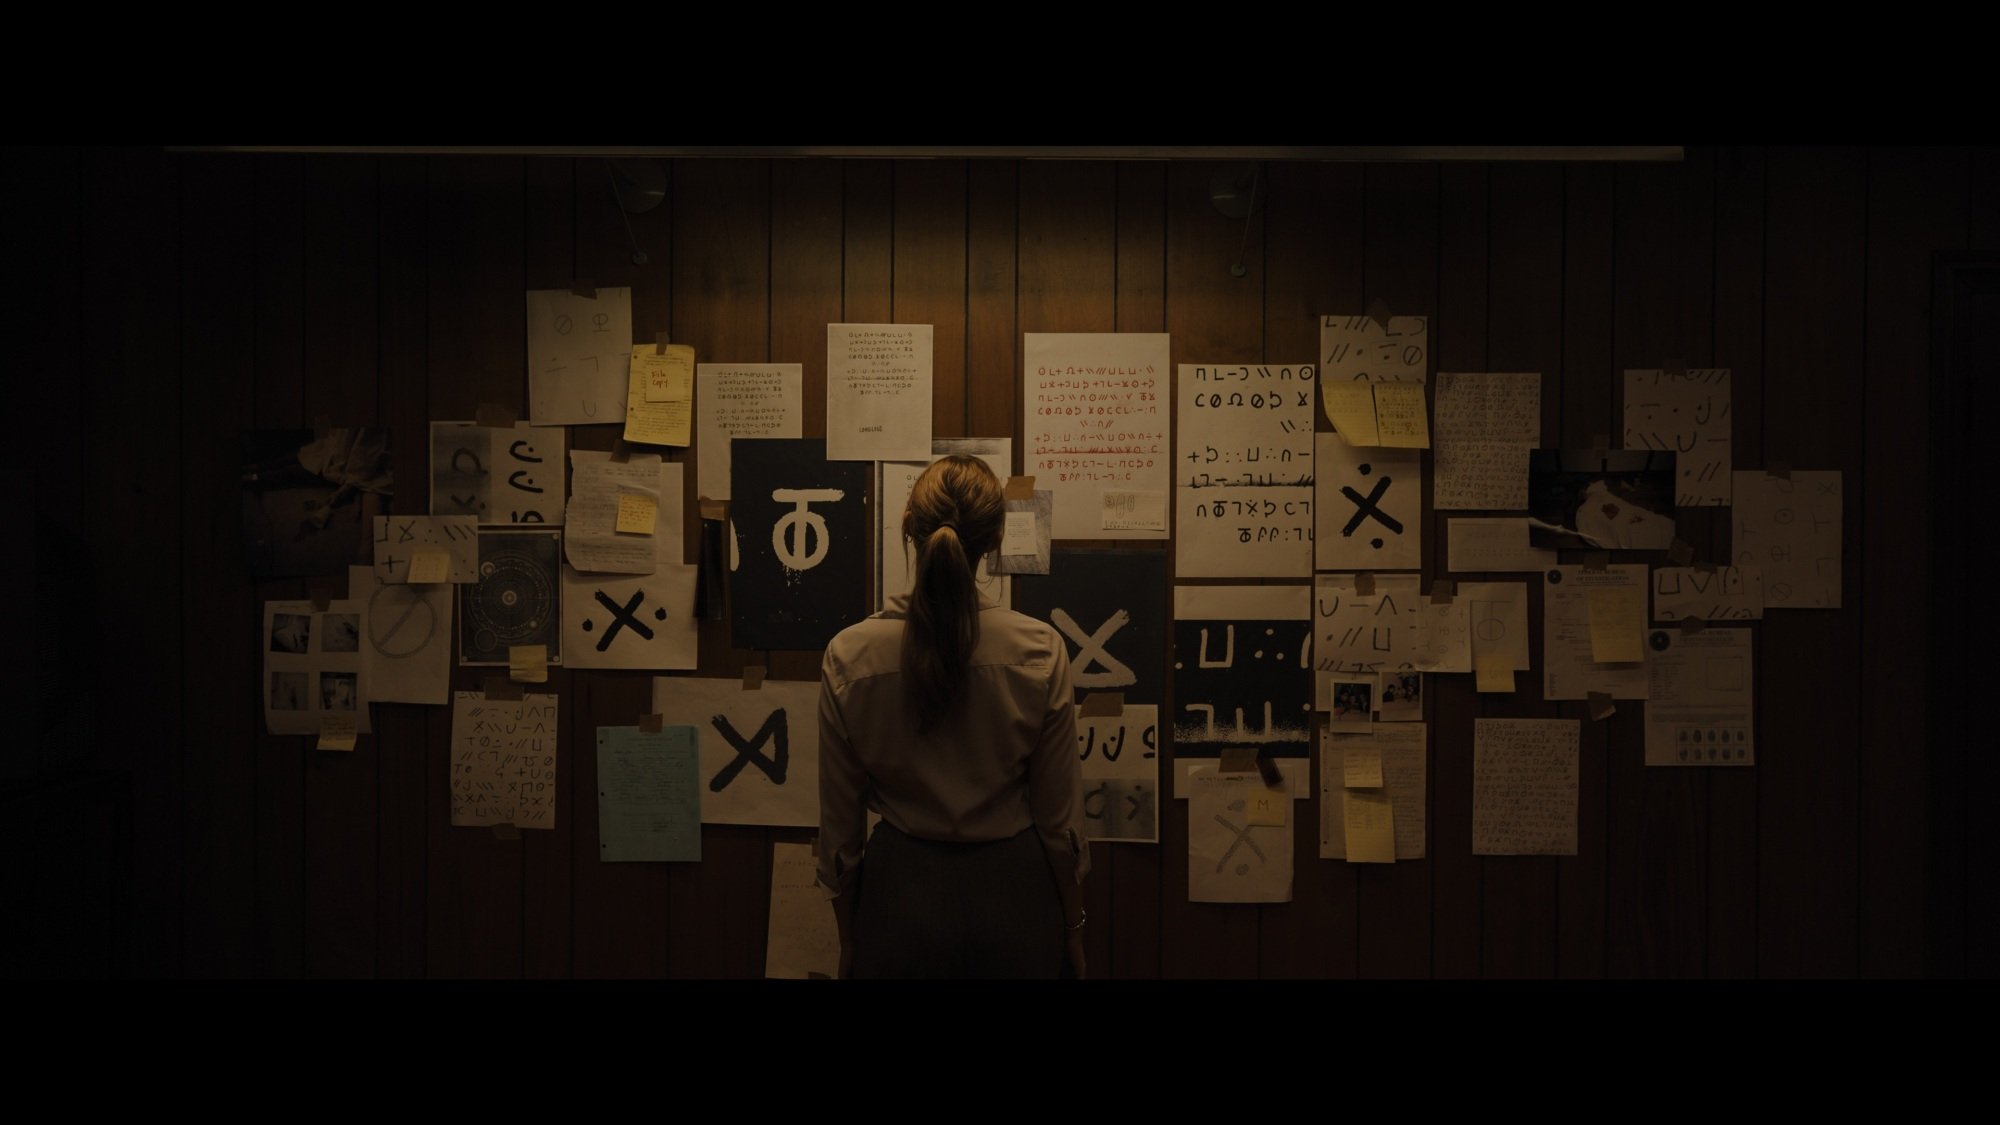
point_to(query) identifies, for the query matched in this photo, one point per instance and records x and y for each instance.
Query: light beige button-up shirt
(1003, 761)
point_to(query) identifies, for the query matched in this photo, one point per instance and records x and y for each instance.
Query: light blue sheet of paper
(648, 795)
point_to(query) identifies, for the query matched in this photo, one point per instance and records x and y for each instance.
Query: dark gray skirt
(928, 909)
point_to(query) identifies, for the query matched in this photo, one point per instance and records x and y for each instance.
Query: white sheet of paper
(802, 939)
(1402, 747)
(1019, 537)
(1034, 545)
(1524, 785)
(1095, 410)
(1358, 347)
(1295, 775)
(1121, 774)
(1484, 426)
(1243, 496)
(1496, 546)
(1790, 529)
(1370, 507)
(1444, 636)
(579, 356)
(1355, 633)
(399, 538)
(503, 760)
(892, 492)
(878, 392)
(1726, 593)
(1229, 859)
(630, 621)
(741, 400)
(1686, 414)
(1130, 509)
(592, 542)
(1700, 712)
(775, 778)
(314, 664)
(405, 638)
(1568, 672)
(498, 474)
(1499, 619)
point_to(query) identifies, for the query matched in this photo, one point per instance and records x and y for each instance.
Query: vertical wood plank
(929, 276)
(992, 337)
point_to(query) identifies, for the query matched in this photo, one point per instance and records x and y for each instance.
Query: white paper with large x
(759, 749)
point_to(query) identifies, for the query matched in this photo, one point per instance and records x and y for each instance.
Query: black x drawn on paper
(1364, 508)
(773, 730)
(622, 618)
(1242, 839)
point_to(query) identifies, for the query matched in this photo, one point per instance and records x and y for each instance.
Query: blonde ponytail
(954, 518)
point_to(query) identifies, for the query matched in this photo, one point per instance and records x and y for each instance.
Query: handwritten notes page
(497, 474)
(405, 638)
(1495, 546)
(1231, 859)
(1790, 529)
(1699, 710)
(1444, 636)
(314, 666)
(1724, 593)
(648, 799)
(593, 541)
(1568, 669)
(1245, 473)
(1685, 413)
(400, 539)
(802, 940)
(1486, 423)
(579, 355)
(503, 760)
(1401, 748)
(759, 748)
(1370, 507)
(1361, 633)
(1524, 783)
(1121, 774)
(1402, 418)
(1094, 413)
(878, 392)
(659, 406)
(892, 491)
(1359, 348)
(741, 400)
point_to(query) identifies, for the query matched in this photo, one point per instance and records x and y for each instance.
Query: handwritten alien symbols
(1370, 504)
(1368, 507)
(1091, 650)
(623, 617)
(1240, 839)
(775, 731)
(799, 537)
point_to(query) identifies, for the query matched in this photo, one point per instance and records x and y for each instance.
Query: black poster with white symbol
(799, 560)
(1110, 609)
(1243, 672)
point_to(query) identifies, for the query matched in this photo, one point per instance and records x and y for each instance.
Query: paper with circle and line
(406, 638)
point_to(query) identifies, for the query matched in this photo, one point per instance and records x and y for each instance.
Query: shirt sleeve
(843, 816)
(1055, 777)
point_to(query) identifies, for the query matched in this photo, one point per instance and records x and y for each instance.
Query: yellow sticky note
(637, 513)
(1617, 624)
(659, 399)
(1494, 671)
(1361, 767)
(1350, 406)
(1267, 806)
(338, 730)
(429, 565)
(1370, 821)
(528, 664)
(1400, 419)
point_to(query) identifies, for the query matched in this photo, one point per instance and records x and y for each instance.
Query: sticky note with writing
(637, 513)
(1267, 807)
(528, 664)
(429, 565)
(338, 730)
(1617, 622)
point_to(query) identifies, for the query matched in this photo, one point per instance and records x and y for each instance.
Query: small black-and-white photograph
(340, 632)
(1402, 698)
(1353, 704)
(288, 691)
(338, 691)
(291, 632)
(1601, 500)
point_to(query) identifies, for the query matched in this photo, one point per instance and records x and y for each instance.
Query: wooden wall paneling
(1656, 821)
(1459, 342)
(278, 403)
(992, 336)
(477, 353)
(550, 259)
(1214, 317)
(1135, 873)
(1739, 341)
(1914, 201)
(928, 271)
(219, 731)
(1399, 255)
(1588, 409)
(406, 787)
(1815, 303)
(340, 339)
(722, 286)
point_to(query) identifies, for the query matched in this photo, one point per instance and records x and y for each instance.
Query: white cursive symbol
(805, 547)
